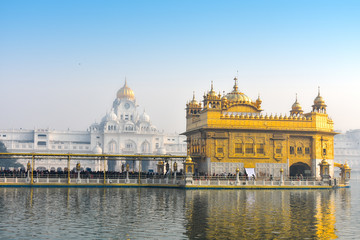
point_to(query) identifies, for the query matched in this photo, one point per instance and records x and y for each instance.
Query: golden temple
(229, 131)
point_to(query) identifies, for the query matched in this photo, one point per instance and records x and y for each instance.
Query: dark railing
(143, 175)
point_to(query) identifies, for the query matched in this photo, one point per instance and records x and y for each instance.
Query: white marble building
(124, 130)
(347, 148)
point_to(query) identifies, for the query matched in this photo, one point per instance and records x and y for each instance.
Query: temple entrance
(300, 168)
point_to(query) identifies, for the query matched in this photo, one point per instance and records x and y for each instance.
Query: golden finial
(193, 95)
(235, 85)
(318, 90)
(212, 92)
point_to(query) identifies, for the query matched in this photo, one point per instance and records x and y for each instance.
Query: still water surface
(144, 213)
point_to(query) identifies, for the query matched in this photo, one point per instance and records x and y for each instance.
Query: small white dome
(97, 150)
(144, 117)
(109, 117)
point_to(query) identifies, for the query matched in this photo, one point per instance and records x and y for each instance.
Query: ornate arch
(299, 168)
(130, 146)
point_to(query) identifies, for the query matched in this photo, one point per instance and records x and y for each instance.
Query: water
(135, 213)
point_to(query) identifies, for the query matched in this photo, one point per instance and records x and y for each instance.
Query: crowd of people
(22, 173)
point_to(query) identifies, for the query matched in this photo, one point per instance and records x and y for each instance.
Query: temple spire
(235, 85)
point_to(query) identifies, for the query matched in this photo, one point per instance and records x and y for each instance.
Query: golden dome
(346, 166)
(296, 106)
(126, 92)
(324, 162)
(237, 96)
(188, 159)
(212, 93)
(258, 100)
(319, 101)
(296, 109)
(193, 101)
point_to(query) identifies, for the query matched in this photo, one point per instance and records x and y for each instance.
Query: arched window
(145, 147)
(299, 150)
(249, 148)
(260, 148)
(130, 146)
(112, 147)
(238, 148)
(129, 127)
(292, 150)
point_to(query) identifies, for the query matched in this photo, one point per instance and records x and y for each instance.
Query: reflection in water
(130, 213)
(260, 214)
(126, 213)
(325, 216)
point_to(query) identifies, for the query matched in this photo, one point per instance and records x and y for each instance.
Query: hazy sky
(62, 62)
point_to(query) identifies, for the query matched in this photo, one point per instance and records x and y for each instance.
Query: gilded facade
(229, 131)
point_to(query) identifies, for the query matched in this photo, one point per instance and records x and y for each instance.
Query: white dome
(144, 117)
(109, 117)
(97, 150)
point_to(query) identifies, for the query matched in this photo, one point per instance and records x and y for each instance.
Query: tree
(8, 162)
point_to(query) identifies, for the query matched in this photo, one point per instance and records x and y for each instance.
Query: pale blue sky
(62, 62)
